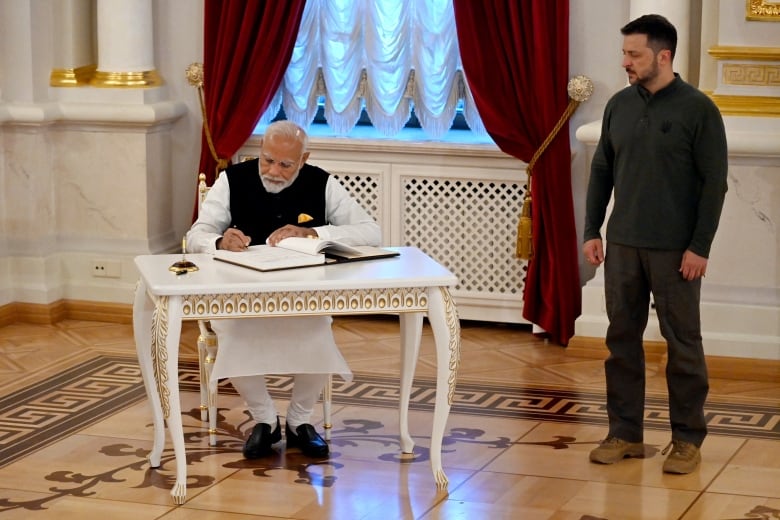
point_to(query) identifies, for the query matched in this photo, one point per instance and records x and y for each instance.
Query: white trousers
(306, 391)
(304, 346)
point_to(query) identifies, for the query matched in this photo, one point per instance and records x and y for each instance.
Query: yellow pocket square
(303, 217)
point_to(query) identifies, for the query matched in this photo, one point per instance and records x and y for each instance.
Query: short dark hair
(660, 32)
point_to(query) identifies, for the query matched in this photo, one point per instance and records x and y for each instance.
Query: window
(384, 65)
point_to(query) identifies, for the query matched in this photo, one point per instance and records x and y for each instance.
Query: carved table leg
(166, 331)
(143, 308)
(443, 317)
(411, 330)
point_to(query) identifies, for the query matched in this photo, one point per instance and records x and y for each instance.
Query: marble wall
(100, 175)
(741, 293)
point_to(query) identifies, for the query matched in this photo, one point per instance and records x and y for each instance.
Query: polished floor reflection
(75, 429)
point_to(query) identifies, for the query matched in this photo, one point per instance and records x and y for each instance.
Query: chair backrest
(203, 189)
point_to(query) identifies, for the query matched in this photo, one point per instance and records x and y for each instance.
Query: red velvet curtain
(515, 57)
(247, 47)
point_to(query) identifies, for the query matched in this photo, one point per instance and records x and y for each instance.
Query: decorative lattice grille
(470, 226)
(366, 189)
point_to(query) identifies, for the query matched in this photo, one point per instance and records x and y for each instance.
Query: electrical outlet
(106, 268)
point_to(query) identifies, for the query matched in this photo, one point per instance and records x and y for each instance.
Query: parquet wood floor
(75, 429)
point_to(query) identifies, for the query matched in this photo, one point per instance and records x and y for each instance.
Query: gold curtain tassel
(525, 246)
(580, 88)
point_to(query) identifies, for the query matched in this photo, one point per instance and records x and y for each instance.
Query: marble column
(125, 45)
(74, 62)
(679, 13)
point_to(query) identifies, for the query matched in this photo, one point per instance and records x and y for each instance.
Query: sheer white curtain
(384, 55)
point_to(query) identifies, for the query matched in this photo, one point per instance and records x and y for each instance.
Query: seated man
(265, 201)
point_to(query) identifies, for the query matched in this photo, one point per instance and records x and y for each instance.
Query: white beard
(278, 185)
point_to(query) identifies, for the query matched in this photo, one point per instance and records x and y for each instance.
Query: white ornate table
(412, 285)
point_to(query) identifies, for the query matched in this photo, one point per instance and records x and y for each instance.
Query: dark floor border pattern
(80, 396)
(519, 402)
(65, 403)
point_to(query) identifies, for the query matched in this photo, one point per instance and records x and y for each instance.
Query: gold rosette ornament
(580, 88)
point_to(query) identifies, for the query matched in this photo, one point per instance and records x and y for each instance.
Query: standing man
(663, 152)
(264, 201)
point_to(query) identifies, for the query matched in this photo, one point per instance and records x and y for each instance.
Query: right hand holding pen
(234, 240)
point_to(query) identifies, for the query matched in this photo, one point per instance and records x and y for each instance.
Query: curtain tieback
(580, 88)
(195, 78)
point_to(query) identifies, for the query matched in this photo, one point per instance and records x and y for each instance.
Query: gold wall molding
(755, 106)
(747, 75)
(762, 11)
(751, 74)
(731, 52)
(144, 79)
(72, 77)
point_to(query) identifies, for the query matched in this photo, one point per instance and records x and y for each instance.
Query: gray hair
(288, 129)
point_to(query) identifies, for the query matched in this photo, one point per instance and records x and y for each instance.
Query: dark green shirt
(665, 157)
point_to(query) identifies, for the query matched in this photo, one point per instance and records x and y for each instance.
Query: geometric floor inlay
(87, 393)
(75, 445)
(67, 402)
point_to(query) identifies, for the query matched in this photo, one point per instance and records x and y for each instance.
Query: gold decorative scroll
(453, 324)
(762, 11)
(346, 301)
(160, 353)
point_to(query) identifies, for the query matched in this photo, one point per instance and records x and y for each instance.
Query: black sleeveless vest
(258, 213)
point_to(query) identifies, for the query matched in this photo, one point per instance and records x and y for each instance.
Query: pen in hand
(235, 240)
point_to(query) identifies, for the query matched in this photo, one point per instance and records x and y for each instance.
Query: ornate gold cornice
(747, 74)
(148, 78)
(756, 106)
(72, 77)
(762, 11)
(729, 52)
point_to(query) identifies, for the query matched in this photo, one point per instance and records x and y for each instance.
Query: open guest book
(300, 252)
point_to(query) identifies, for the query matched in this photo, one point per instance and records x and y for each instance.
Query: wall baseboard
(720, 367)
(595, 348)
(50, 313)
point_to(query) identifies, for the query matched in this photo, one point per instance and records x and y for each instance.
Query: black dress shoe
(260, 440)
(308, 440)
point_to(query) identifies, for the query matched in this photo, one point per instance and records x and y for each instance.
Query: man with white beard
(261, 201)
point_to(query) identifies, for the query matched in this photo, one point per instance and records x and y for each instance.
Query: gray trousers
(630, 275)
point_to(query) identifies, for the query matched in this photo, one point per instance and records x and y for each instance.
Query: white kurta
(296, 345)
(300, 345)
